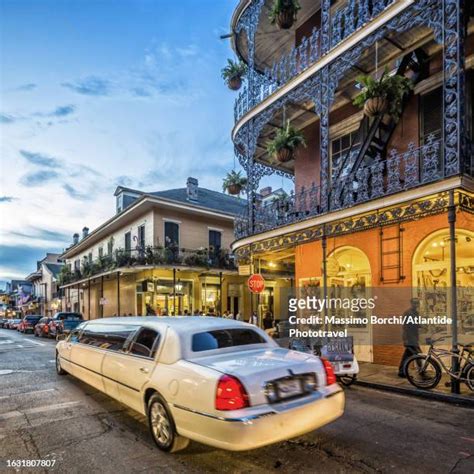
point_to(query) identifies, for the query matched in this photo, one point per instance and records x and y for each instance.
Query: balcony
(399, 172)
(345, 19)
(150, 257)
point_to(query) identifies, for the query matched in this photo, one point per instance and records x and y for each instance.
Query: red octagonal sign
(256, 283)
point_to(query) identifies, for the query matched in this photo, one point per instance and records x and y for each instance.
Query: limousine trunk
(286, 371)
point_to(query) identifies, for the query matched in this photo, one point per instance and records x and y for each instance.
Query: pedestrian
(149, 310)
(238, 316)
(186, 312)
(196, 312)
(253, 319)
(410, 335)
(268, 323)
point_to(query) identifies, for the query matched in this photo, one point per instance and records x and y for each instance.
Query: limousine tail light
(231, 394)
(330, 376)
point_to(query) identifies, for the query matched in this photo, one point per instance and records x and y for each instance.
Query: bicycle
(425, 370)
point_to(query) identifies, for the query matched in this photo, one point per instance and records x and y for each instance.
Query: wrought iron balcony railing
(152, 257)
(344, 21)
(399, 172)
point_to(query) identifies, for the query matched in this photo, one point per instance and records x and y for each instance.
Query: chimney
(75, 239)
(85, 232)
(192, 189)
(266, 191)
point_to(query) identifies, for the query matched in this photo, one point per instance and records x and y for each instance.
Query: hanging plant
(283, 13)
(384, 95)
(233, 74)
(234, 182)
(285, 143)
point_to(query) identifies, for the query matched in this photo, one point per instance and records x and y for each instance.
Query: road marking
(34, 392)
(36, 342)
(9, 341)
(30, 411)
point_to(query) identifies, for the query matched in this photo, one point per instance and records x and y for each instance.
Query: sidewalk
(384, 377)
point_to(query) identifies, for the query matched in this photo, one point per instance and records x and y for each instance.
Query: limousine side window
(106, 336)
(145, 343)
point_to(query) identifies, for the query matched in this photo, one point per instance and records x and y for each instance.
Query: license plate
(289, 388)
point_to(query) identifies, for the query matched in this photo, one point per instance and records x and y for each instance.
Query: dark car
(3, 322)
(42, 327)
(64, 322)
(28, 323)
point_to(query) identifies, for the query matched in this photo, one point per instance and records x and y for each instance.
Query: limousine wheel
(162, 426)
(59, 369)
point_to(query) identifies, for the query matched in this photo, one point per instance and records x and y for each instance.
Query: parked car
(28, 323)
(42, 327)
(217, 381)
(14, 323)
(64, 322)
(3, 322)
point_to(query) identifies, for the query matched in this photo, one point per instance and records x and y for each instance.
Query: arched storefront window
(432, 276)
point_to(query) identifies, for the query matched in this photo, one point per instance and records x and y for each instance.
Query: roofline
(71, 251)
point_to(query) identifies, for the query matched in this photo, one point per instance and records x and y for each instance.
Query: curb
(441, 397)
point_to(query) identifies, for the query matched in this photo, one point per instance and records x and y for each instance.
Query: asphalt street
(45, 416)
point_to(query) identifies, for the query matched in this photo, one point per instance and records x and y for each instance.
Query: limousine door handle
(144, 370)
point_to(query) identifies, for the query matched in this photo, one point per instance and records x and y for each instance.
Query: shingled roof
(207, 199)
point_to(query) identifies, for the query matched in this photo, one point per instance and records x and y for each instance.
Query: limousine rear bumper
(271, 425)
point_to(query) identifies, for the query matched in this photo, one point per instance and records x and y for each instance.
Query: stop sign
(256, 283)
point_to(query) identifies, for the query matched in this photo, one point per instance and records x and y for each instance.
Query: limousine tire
(162, 427)
(59, 369)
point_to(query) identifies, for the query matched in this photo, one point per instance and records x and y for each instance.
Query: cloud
(92, 85)
(27, 87)
(7, 198)
(60, 111)
(40, 159)
(75, 194)
(125, 181)
(38, 178)
(4, 118)
(37, 233)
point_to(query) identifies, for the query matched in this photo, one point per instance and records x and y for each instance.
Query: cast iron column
(453, 306)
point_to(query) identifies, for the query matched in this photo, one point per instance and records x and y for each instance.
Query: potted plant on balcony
(233, 74)
(285, 143)
(234, 182)
(384, 95)
(283, 13)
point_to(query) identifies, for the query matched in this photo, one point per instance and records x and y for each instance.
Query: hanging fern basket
(234, 189)
(234, 83)
(286, 18)
(375, 106)
(285, 154)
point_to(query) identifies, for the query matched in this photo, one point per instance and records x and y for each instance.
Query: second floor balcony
(400, 172)
(149, 257)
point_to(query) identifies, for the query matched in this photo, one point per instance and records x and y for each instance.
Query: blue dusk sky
(100, 93)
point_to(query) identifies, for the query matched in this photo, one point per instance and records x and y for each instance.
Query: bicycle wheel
(469, 376)
(423, 372)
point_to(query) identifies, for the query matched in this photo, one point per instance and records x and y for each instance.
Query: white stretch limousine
(220, 382)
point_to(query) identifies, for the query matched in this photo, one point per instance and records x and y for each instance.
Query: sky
(95, 94)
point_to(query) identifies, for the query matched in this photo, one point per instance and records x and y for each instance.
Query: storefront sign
(245, 270)
(256, 283)
(150, 286)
